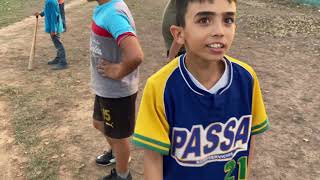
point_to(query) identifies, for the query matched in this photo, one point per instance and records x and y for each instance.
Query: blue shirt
(201, 135)
(53, 22)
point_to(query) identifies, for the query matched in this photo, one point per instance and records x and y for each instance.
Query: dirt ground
(281, 42)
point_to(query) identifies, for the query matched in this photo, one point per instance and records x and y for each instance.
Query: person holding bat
(54, 26)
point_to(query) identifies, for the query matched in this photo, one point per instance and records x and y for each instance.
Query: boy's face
(209, 29)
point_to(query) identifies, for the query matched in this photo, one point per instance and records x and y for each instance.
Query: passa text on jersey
(217, 142)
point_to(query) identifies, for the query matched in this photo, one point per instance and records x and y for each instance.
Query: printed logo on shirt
(94, 48)
(217, 142)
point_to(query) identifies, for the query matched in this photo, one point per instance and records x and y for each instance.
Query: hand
(37, 14)
(110, 70)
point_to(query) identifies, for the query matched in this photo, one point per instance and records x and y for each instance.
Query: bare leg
(121, 149)
(100, 127)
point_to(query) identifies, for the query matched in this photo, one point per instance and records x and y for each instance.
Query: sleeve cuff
(151, 144)
(261, 127)
(122, 36)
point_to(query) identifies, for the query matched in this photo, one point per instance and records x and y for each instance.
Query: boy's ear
(177, 33)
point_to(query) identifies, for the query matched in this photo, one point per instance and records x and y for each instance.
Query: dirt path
(281, 43)
(15, 45)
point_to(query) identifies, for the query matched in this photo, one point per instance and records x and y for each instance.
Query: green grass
(27, 115)
(42, 165)
(29, 119)
(12, 11)
(36, 110)
(32, 115)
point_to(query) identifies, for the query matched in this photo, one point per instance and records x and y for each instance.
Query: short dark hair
(181, 9)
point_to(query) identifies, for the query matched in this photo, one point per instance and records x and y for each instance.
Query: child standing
(53, 26)
(200, 113)
(115, 57)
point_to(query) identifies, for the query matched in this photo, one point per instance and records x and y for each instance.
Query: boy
(199, 114)
(115, 57)
(63, 16)
(53, 26)
(169, 18)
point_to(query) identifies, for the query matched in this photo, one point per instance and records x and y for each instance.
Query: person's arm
(174, 49)
(131, 58)
(251, 154)
(153, 165)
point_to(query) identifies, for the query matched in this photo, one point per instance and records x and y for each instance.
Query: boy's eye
(204, 20)
(229, 20)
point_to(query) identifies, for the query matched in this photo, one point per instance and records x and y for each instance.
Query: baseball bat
(33, 46)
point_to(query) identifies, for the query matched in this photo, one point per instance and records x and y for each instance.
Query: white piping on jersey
(220, 84)
(182, 59)
(226, 61)
(231, 76)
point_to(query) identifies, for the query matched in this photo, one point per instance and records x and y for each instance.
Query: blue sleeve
(119, 24)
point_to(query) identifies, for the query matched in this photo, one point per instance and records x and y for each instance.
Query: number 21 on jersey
(230, 166)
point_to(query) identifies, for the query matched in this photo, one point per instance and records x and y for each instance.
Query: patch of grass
(14, 10)
(34, 110)
(44, 163)
(30, 117)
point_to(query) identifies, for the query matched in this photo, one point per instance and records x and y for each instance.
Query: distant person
(115, 57)
(199, 115)
(63, 16)
(169, 18)
(54, 26)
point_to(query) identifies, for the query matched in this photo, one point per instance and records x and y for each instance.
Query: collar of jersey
(194, 87)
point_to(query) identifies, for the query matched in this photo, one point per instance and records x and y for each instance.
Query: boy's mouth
(216, 45)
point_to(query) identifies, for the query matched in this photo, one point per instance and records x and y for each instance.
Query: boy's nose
(217, 29)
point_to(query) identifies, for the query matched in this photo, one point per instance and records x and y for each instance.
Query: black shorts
(118, 115)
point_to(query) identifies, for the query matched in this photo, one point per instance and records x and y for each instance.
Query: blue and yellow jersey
(201, 135)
